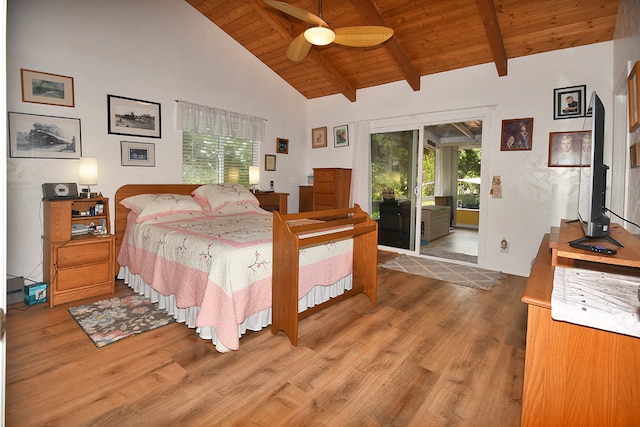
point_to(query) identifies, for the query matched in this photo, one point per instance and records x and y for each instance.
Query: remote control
(598, 249)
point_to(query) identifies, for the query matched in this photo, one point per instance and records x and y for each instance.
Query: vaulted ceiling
(430, 36)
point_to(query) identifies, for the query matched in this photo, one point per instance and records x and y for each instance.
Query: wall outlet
(504, 246)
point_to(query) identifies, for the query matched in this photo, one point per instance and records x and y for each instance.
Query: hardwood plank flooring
(428, 354)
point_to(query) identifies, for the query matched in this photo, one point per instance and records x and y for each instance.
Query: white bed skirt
(256, 322)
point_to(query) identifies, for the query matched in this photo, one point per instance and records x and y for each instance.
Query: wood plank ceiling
(430, 36)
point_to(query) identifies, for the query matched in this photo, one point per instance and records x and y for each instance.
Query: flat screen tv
(593, 177)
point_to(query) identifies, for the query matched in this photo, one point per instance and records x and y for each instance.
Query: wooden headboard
(134, 189)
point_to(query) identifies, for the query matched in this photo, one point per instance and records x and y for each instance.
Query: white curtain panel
(361, 170)
(203, 119)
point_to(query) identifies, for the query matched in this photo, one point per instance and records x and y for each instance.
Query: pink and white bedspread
(213, 271)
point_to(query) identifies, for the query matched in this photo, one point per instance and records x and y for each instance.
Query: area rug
(450, 255)
(111, 320)
(464, 275)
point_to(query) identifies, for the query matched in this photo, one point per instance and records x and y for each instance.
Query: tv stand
(591, 239)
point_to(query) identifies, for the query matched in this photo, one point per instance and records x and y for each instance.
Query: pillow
(154, 205)
(217, 196)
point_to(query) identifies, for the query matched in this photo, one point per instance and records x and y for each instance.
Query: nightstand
(77, 265)
(271, 201)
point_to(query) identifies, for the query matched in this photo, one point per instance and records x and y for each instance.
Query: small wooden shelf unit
(76, 267)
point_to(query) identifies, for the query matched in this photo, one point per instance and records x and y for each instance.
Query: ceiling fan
(322, 35)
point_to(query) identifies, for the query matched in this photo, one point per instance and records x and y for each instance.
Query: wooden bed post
(284, 280)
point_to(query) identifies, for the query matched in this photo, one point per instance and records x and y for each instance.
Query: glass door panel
(394, 168)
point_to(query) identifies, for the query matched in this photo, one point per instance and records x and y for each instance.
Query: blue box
(35, 293)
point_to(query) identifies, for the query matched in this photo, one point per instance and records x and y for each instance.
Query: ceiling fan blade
(298, 49)
(364, 36)
(296, 12)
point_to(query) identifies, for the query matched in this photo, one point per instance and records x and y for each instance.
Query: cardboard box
(35, 293)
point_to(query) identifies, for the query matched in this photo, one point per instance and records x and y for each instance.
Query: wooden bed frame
(288, 239)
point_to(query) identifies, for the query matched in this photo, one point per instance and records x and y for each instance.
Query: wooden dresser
(77, 266)
(331, 188)
(575, 375)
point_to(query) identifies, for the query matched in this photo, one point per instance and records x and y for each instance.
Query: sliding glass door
(395, 191)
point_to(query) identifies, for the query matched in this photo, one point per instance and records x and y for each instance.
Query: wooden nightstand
(270, 201)
(77, 266)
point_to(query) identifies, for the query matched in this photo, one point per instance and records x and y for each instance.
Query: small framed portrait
(569, 102)
(633, 87)
(282, 146)
(138, 153)
(133, 117)
(44, 137)
(319, 137)
(341, 136)
(45, 88)
(569, 149)
(269, 162)
(516, 135)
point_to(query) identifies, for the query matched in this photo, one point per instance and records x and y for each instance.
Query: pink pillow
(217, 196)
(154, 205)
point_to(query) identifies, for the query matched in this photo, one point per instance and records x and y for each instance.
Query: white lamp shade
(88, 171)
(319, 36)
(254, 175)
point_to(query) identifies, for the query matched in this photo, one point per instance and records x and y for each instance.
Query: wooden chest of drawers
(331, 188)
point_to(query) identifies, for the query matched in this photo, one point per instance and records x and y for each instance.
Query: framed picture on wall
(133, 117)
(46, 88)
(341, 136)
(44, 137)
(319, 137)
(138, 153)
(282, 146)
(569, 149)
(516, 134)
(269, 162)
(633, 87)
(569, 102)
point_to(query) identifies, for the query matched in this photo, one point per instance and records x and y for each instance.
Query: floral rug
(459, 274)
(111, 320)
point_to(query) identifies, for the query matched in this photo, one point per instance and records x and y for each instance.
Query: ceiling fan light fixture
(319, 36)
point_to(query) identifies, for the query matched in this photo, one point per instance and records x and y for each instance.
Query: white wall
(534, 196)
(156, 50)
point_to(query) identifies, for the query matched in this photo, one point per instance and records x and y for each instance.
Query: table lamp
(254, 177)
(88, 173)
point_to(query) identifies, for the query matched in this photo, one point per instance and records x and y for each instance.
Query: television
(593, 177)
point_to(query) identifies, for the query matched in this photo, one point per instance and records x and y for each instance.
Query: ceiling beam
(494, 35)
(464, 130)
(371, 16)
(287, 32)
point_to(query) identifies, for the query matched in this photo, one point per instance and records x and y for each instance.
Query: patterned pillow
(147, 206)
(217, 196)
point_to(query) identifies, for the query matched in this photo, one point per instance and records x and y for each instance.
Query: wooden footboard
(290, 234)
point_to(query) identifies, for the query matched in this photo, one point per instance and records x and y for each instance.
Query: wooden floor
(428, 354)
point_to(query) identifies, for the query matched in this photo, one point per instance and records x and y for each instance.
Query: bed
(222, 265)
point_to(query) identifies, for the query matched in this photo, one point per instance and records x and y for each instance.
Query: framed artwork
(44, 137)
(45, 88)
(516, 135)
(633, 97)
(138, 153)
(269, 162)
(319, 137)
(282, 146)
(341, 136)
(133, 117)
(569, 149)
(569, 102)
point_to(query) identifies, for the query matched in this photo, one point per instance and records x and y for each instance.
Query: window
(210, 159)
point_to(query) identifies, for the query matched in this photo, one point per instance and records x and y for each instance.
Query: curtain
(209, 120)
(361, 171)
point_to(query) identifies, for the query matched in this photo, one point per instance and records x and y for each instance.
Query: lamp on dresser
(88, 173)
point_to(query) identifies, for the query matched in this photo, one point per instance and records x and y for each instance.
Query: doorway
(426, 189)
